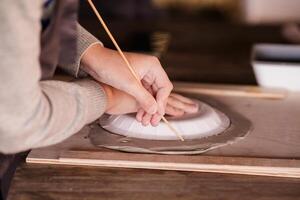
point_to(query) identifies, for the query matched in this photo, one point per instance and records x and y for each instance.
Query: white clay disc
(206, 122)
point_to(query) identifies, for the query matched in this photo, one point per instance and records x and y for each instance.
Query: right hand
(106, 66)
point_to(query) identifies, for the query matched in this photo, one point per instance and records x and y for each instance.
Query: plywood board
(271, 149)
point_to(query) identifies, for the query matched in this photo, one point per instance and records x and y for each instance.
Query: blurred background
(205, 41)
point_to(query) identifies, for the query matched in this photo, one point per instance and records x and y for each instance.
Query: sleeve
(84, 41)
(36, 113)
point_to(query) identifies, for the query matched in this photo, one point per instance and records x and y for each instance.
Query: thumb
(145, 99)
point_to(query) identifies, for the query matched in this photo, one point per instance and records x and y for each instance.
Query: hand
(179, 105)
(107, 66)
(119, 102)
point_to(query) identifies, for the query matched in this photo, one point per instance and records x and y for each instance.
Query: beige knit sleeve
(36, 113)
(84, 41)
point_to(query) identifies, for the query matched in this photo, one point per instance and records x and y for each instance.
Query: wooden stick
(172, 128)
(126, 61)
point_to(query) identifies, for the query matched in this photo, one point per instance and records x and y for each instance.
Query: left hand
(119, 102)
(179, 105)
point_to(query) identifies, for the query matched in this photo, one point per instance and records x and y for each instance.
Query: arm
(33, 113)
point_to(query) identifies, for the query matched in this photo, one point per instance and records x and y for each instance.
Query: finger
(170, 110)
(176, 103)
(182, 98)
(162, 98)
(186, 107)
(191, 108)
(155, 119)
(162, 86)
(140, 114)
(144, 98)
(148, 86)
(157, 78)
(146, 119)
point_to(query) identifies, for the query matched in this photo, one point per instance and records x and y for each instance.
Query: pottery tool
(127, 62)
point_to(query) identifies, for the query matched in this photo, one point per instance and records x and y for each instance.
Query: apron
(58, 46)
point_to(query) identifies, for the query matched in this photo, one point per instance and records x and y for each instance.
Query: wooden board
(233, 165)
(272, 149)
(230, 90)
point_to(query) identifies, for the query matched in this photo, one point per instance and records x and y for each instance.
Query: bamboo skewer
(126, 61)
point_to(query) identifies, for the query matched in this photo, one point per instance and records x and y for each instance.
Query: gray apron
(58, 46)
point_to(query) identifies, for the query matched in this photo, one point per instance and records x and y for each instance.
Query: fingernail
(155, 119)
(154, 122)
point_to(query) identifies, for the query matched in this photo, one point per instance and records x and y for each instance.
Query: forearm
(49, 114)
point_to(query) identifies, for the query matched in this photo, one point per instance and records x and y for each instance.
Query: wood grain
(35, 182)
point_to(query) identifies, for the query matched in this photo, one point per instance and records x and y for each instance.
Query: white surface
(277, 65)
(277, 75)
(270, 11)
(206, 122)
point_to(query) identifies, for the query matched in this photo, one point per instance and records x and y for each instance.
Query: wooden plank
(230, 90)
(60, 182)
(232, 165)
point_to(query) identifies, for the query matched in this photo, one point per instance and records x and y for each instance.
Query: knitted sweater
(36, 113)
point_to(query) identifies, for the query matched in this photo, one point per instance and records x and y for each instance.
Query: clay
(239, 127)
(206, 122)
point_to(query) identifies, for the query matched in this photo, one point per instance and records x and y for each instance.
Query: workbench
(34, 181)
(62, 182)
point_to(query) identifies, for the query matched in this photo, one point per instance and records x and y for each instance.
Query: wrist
(90, 58)
(109, 95)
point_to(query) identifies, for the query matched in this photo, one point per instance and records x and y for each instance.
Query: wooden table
(36, 182)
(226, 60)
